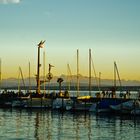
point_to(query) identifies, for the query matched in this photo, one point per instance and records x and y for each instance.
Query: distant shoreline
(74, 88)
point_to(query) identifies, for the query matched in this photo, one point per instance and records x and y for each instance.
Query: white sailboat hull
(125, 107)
(62, 103)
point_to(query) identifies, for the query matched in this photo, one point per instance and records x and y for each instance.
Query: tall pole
(19, 81)
(49, 87)
(99, 79)
(68, 78)
(89, 72)
(40, 45)
(44, 66)
(0, 76)
(115, 75)
(118, 74)
(22, 77)
(38, 72)
(77, 72)
(97, 82)
(29, 79)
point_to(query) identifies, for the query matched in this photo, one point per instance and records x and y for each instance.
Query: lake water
(73, 93)
(53, 125)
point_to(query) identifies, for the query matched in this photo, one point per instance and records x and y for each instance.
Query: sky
(110, 28)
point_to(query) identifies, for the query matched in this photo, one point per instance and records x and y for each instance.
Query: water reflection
(54, 125)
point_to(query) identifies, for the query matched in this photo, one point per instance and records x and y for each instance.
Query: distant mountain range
(13, 82)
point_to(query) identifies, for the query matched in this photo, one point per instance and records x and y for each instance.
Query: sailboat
(105, 104)
(37, 100)
(127, 105)
(124, 108)
(136, 109)
(83, 103)
(18, 102)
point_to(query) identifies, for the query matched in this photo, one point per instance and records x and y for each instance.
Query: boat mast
(29, 79)
(18, 81)
(40, 45)
(44, 66)
(115, 76)
(20, 73)
(69, 76)
(38, 72)
(22, 77)
(0, 76)
(118, 74)
(97, 81)
(89, 72)
(68, 81)
(77, 72)
(100, 79)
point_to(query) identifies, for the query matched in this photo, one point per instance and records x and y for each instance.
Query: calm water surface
(53, 125)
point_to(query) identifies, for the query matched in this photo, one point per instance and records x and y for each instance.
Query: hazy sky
(111, 28)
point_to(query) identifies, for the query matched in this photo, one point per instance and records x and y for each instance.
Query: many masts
(90, 64)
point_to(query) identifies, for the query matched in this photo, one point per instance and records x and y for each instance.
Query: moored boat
(62, 101)
(126, 107)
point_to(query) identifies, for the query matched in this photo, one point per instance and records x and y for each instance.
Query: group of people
(112, 94)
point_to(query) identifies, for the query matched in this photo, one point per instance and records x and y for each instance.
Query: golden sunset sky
(111, 28)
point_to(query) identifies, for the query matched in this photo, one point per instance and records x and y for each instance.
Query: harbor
(48, 125)
(109, 101)
(69, 70)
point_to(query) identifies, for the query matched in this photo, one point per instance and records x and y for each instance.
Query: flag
(41, 44)
(50, 67)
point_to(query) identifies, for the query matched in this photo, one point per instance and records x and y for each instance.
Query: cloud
(10, 1)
